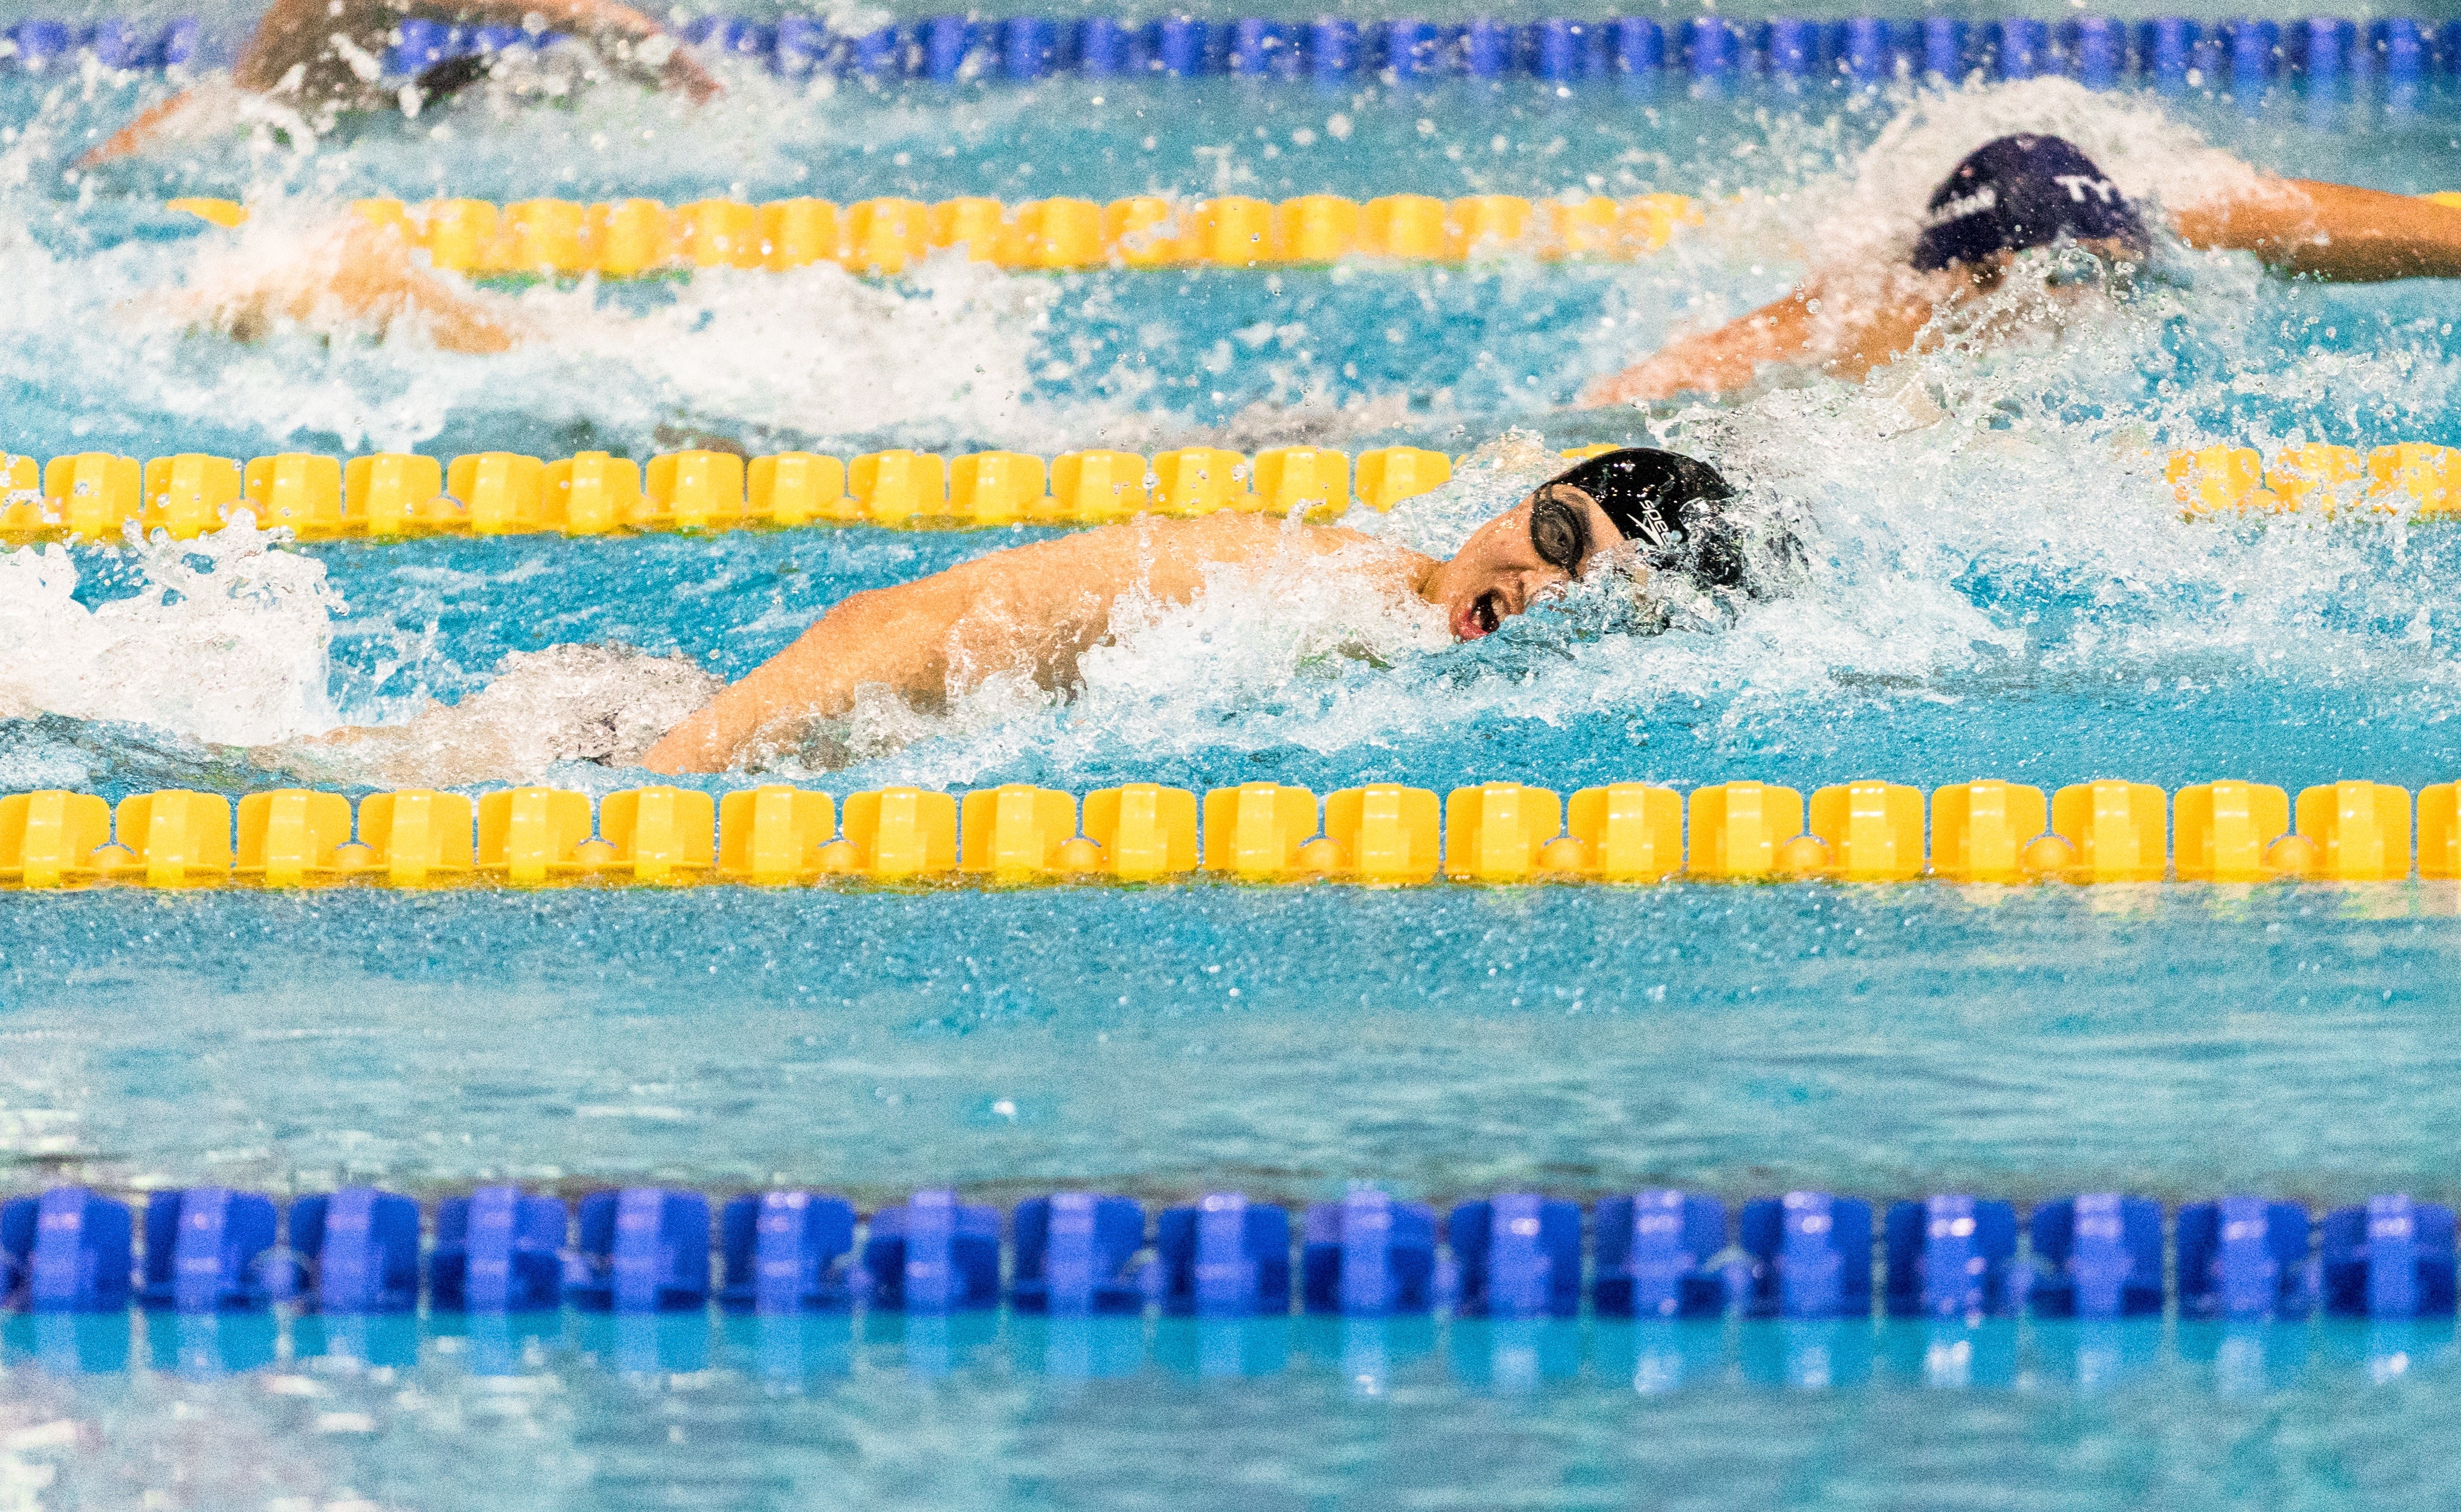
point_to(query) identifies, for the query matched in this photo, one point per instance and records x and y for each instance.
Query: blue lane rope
(115, 42)
(1649, 1254)
(2100, 51)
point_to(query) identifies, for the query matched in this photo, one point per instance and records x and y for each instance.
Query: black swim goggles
(1559, 530)
(2066, 265)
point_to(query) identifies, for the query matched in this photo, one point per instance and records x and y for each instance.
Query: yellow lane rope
(1864, 831)
(637, 237)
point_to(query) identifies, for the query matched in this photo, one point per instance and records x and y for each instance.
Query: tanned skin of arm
(2330, 231)
(2297, 226)
(1034, 608)
(1853, 332)
(356, 277)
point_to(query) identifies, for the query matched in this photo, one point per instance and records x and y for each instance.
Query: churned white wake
(226, 641)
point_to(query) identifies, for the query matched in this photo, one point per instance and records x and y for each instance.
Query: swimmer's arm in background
(2329, 230)
(150, 122)
(1847, 325)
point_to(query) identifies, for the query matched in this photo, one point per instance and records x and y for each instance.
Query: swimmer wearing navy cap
(1637, 514)
(2035, 207)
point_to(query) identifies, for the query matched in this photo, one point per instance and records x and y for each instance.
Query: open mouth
(1480, 616)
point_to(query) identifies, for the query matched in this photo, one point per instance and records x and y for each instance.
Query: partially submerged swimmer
(2035, 207)
(312, 61)
(1039, 609)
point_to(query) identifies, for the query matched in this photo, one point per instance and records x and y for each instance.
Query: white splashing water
(2038, 464)
(226, 641)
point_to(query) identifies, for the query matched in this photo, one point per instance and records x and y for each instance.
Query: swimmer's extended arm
(1847, 327)
(355, 279)
(2329, 230)
(1034, 608)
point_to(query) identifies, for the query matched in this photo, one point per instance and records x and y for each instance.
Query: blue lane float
(498, 1250)
(1662, 1254)
(1368, 1256)
(352, 1251)
(642, 1250)
(935, 1254)
(1072, 1255)
(2243, 1257)
(1953, 1257)
(1657, 1256)
(2243, 54)
(2101, 51)
(206, 1250)
(1224, 1257)
(129, 43)
(1810, 1256)
(787, 1252)
(2098, 1256)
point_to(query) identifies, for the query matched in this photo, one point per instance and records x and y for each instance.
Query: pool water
(1997, 585)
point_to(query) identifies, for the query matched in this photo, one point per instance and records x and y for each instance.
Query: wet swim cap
(2021, 192)
(1670, 503)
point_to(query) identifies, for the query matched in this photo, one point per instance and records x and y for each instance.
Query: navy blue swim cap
(2021, 192)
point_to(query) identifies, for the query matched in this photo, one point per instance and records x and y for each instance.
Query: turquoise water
(1999, 587)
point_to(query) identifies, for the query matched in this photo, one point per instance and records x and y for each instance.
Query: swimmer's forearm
(1715, 361)
(1843, 325)
(897, 638)
(712, 738)
(138, 133)
(2330, 231)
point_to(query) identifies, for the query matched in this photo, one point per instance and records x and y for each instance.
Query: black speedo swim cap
(1673, 505)
(2021, 192)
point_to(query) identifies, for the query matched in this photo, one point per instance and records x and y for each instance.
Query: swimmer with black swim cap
(1639, 510)
(1037, 609)
(2034, 207)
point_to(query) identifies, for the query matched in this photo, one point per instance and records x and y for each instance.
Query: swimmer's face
(1537, 545)
(2064, 270)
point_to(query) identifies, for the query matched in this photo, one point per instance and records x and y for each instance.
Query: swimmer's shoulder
(1237, 536)
(1164, 553)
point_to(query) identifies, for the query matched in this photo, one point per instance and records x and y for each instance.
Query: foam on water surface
(1996, 583)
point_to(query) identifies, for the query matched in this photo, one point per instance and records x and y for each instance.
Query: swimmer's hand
(1715, 361)
(2327, 230)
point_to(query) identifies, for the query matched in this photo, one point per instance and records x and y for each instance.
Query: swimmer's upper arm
(289, 33)
(1035, 608)
(894, 637)
(1032, 603)
(2329, 231)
